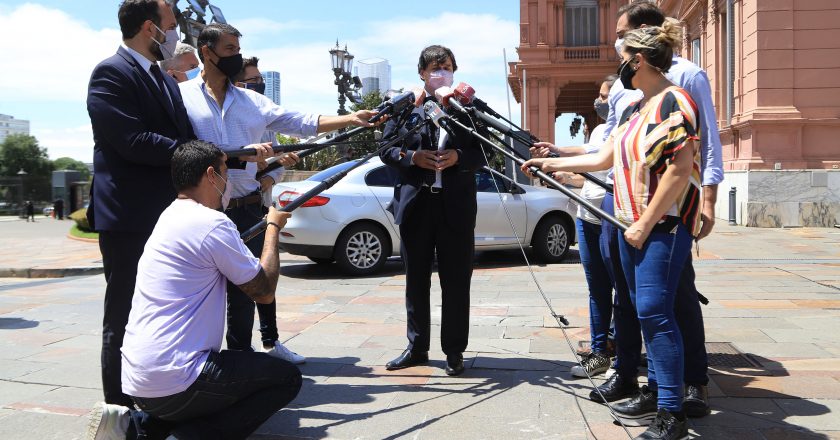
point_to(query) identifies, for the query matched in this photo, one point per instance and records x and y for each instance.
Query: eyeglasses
(259, 79)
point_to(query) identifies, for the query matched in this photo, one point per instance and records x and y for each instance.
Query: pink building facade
(774, 68)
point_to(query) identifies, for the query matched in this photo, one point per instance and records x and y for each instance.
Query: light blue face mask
(192, 73)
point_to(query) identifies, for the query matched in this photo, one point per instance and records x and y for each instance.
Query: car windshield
(331, 171)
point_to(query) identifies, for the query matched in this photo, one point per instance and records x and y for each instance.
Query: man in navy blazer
(138, 120)
(435, 207)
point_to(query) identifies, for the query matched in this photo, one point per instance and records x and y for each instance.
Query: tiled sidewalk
(774, 296)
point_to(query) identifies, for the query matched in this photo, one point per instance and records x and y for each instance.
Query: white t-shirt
(178, 310)
(593, 193)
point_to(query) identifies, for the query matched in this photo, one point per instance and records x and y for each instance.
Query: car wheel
(361, 249)
(551, 239)
(322, 260)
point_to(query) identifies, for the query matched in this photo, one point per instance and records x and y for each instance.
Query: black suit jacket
(135, 131)
(459, 193)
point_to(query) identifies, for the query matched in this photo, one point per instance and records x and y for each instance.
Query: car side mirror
(516, 189)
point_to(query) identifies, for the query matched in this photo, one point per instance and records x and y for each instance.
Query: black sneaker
(593, 363)
(666, 426)
(638, 411)
(696, 402)
(617, 387)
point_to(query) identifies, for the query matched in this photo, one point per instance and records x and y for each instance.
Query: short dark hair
(190, 162)
(641, 12)
(133, 13)
(435, 54)
(246, 63)
(211, 33)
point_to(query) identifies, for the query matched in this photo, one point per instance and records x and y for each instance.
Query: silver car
(349, 223)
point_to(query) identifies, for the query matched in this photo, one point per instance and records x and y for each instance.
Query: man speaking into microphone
(435, 207)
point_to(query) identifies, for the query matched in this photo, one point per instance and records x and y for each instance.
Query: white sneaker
(609, 373)
(107, 422)
(280, 351)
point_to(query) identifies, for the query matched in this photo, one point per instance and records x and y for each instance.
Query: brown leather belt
(245, 201)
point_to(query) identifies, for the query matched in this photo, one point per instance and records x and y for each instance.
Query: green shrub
(80, 217)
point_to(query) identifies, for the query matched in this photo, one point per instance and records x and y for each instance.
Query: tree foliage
(369, 102)
(22, 152)
(68, 163)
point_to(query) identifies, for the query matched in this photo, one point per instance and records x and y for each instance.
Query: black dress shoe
(696, 402)
(407, 359)
(666, 426)
(617, 387)
(638, 411)
(454, 364)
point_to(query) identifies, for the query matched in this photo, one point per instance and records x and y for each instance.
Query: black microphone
(438, 117)
(393, 106)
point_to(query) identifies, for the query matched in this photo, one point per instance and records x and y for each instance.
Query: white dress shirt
(242, 120)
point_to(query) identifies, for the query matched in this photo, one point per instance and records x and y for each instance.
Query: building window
(581, 23)
(696, 55)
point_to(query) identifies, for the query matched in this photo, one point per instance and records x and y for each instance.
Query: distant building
(772, 67)
(272, 86)
(375, 74)
(9, 125)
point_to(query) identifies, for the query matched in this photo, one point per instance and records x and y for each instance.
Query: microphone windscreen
(419, 95)
(443, 94)
(465, 93)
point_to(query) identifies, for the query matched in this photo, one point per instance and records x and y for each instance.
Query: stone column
(542, 19)
(561, 22)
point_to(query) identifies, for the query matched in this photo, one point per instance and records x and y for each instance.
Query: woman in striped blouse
(656, 160)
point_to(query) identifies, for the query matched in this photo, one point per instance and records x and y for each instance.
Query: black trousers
(425, 233)
(240, 315)
(121, 252)
(236, 392)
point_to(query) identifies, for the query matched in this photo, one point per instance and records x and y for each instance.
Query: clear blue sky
(55, 44)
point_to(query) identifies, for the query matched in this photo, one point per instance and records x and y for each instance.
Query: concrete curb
(86, 240)
(35, 272)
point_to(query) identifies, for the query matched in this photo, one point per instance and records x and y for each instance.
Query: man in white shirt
(233, 117)
(172, 363)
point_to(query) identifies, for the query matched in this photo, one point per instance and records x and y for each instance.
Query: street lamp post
(342, 65)
(21, 175)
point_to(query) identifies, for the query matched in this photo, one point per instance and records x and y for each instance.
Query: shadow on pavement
(394, 266)
(324, 405)
(753, 399)
(17, 323)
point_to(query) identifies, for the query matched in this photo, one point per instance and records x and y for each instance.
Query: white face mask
(167, 48)
(440, 78)
(225, 193)
(619, 44)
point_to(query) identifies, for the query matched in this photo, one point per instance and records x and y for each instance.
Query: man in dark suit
(435, 207)
(138, 120)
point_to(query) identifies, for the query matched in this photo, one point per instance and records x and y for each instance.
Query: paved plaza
(772, 327)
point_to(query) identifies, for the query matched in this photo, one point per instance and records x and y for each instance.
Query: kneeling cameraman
(172, 363)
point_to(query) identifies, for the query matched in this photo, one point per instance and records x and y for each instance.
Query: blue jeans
(628, 344)
(653, 274)
(598, 279)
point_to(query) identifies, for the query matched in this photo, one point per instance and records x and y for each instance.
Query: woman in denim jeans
(657, 193)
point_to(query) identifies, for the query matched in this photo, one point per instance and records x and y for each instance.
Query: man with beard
(138, 120)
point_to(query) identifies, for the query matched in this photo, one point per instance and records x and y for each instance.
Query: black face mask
(626, 73)
(257, 87)
(230, 66)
